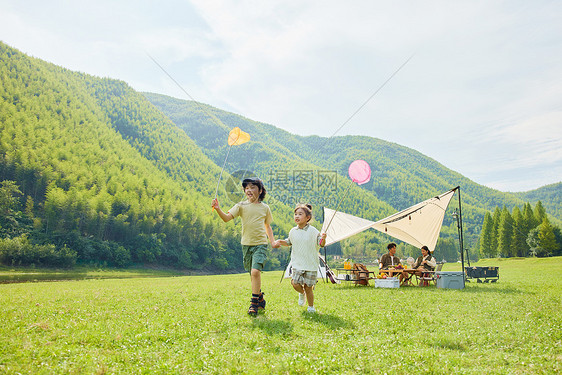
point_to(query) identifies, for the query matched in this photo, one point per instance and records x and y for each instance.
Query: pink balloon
(360, 172)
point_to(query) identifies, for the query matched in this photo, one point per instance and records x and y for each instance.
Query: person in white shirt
(425, 262)
(304, 240)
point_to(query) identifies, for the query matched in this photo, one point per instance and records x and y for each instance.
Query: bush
(20, 251)
(121, 256)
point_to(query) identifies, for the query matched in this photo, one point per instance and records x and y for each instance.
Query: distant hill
(400, 176)
(549, 195)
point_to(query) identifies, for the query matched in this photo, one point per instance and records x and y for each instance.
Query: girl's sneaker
(311, 309)
(301, 299)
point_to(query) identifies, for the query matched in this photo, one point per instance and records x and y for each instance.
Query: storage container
(389, 282)
(475, 272)
(450, 279)
(489, 274)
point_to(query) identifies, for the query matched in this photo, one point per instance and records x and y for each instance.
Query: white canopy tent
(417, 225)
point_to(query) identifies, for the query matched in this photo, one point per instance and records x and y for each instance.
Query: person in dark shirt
(388, 260)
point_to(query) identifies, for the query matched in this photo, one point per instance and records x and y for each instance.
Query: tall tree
(558, 236)
(448, 249)
(9, 201)
(496, 220)
(486, 241)
(519, 240)
(547, 239)
(505, 233)
(529, 221)
(539, 213)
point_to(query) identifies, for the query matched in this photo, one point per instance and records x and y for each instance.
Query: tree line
(520, 233)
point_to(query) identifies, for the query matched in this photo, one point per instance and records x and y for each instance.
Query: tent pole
(325, 258)
(459, 225)
(286, 265)
(325, 261)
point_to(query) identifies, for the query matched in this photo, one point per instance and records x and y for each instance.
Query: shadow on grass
(350, 286)
(493, 288)
(474, 288)
(330, 321)
(446, 343)
(272, 327)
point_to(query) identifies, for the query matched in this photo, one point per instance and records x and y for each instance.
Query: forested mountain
(549, 195)
(400, 176)
(110, 175)
(101, 170)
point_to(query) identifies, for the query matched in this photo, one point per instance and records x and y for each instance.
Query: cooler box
(389, 282)
(450, 279)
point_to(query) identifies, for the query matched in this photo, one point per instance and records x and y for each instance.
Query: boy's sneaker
(253, 310)
(261, 302)
(301, 299)
(311, 309)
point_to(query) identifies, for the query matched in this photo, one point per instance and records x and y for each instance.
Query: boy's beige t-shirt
(254, 217)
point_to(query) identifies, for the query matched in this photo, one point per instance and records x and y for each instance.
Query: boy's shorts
(254, 256)
(308, 278)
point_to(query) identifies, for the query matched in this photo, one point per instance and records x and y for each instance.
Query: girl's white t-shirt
(304, 255)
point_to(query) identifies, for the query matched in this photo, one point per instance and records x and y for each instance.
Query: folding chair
(426, 277)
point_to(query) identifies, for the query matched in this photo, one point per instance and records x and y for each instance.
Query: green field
(198, 324)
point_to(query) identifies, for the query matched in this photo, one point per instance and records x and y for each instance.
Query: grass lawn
(198, 324)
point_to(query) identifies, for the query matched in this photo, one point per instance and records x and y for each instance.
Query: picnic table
(347, 274)
(407, 272)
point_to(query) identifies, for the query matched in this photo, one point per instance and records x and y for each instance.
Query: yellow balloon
(237, 137)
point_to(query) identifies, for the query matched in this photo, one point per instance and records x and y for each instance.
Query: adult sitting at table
(388, 260)
(425, 262)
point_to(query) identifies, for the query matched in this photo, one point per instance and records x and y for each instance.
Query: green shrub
(20, 251)
(121, 256)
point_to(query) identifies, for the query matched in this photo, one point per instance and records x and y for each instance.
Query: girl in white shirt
(304, 240)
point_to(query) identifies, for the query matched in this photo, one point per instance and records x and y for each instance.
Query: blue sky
(482, 93)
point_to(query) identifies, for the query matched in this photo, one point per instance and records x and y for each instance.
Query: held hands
(276, 244)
